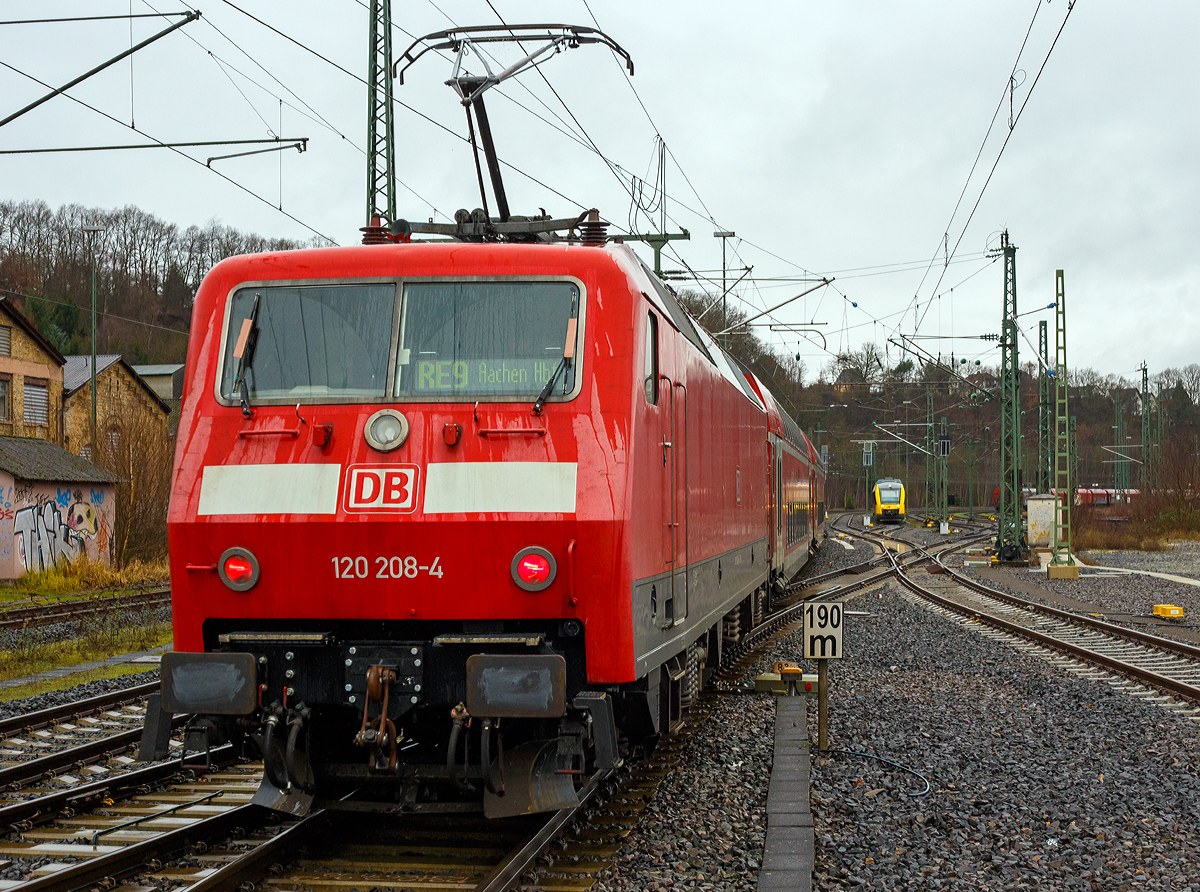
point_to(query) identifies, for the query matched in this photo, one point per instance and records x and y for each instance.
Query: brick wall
(29, 362)
(120, 401)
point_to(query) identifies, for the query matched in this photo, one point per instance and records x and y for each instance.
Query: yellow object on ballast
(1170, 611)
(781, 681)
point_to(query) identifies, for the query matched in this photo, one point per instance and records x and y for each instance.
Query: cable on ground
(911, 771)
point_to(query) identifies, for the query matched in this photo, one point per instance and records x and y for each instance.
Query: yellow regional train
(888, 501)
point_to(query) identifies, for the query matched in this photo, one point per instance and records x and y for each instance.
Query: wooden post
(822, 705)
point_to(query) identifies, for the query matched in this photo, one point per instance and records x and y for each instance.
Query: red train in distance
(1097, 496)
(456, 524)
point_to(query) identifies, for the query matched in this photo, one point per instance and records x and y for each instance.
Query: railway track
(59, 611)
(1166, 665)
(220, 842)
(70, 744)
(336, 850)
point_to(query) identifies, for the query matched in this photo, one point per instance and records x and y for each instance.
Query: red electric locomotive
(452, 523)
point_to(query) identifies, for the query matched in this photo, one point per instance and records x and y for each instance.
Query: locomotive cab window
(310, 342)
(467, 340)
(651, 371)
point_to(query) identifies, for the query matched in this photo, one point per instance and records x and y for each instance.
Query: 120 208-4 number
(384, 568)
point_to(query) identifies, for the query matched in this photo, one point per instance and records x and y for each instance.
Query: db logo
(381, 488)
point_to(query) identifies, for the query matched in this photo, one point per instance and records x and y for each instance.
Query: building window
(86, 452)
(5, 340)
(5, 399)
(37, 403)
(112, 438)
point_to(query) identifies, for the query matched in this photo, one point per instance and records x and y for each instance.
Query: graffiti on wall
(58, 527)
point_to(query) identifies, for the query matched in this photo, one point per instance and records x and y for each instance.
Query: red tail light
(533, 568)
(238, 569)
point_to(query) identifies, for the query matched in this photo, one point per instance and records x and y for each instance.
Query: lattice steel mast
(1045, 466)
(1147, 436)
(1010, 538)
(1121, 484)
(1064, 426)
(381, 134)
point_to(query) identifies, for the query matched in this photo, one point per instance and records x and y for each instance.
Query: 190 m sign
(823, 630)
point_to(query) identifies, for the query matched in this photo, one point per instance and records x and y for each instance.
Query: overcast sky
(834, 139)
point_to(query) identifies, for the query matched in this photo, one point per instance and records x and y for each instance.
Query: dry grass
(1113, 536)
(103, 637)
(87, 575)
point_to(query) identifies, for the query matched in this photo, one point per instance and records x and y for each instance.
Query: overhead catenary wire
(67, 303)
(89, 18)
(1011, 129)
(400, 103)
(311, 113)
(182, 154)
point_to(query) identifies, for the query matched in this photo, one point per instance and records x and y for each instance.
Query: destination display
(482, 376)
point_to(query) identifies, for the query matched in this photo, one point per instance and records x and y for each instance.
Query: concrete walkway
(788, 851)
(148, 657)
(1101, 570)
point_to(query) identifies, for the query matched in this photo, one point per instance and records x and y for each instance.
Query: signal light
(533, 568)
(238, 569)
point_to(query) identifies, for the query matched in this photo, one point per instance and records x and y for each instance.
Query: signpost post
(823, 642)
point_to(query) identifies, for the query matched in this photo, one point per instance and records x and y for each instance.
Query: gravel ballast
(1125, 598)
(1039, 779)
(79, 692)
(704, 827)
(1182, 559)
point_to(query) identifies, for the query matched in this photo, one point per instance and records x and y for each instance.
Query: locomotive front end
(376, 526)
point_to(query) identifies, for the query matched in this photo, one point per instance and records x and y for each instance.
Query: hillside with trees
(147, 272)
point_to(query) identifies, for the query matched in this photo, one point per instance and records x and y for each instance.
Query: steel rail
(63, 611)
(250, 867)
(1170, 645)
(1146, 676)
(43, 717)
(15, 776)
(45, 807)
(522, 859)
(106, 869)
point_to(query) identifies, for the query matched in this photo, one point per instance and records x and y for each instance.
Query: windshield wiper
(244, 352)
(537, 404)
(564, 363)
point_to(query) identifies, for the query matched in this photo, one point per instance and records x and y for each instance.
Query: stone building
(31, 379)
(123, 399)
(167, 382)
(55, 507)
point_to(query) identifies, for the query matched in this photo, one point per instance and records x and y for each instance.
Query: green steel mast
(943, 461)
(1121, 484)
(1010, 539)
(1064, 425)
(1045, 467)
(930, 461)
(1147, 435)
(381, 135)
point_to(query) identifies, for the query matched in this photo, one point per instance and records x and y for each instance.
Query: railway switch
(1168, 611)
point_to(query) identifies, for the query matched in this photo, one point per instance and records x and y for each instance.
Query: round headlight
(533, 568)
(386, 430)
(238, 569)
